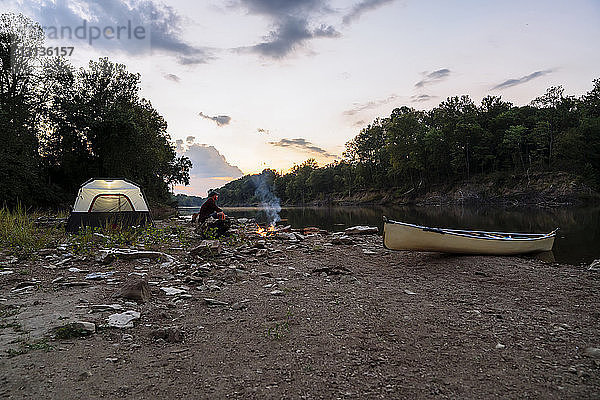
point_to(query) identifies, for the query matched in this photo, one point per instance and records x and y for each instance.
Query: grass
(14, 325)
(280, 329)
(25, 347)
(70, 331)
(8, 311)
(21, 237)
(89, 240)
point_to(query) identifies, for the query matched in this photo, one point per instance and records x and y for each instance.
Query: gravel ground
(306, 320)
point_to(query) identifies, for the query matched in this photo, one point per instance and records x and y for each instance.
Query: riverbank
(547, 189)
(538, 189)
(296, 317)
(542, 189)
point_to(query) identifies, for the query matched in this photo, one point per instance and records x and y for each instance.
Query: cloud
(293, 24)
(360, 123)
(172, 77)
(362, 7)
(514, 82)
(179, 146)
(162, 25)
(370, 105)
(221, 120)
(262, 130)
(433, 77)
(302, 145)
(166, 31)
(207, 162)
(419, 98)
(190, 139)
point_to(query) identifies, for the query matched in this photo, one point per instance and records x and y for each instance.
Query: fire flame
(264, 232)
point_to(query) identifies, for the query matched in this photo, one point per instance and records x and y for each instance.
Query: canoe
(403, 236)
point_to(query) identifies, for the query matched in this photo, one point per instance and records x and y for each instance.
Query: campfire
(264, 232)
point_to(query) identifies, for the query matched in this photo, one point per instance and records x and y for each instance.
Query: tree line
(60, 126)
(457, 140)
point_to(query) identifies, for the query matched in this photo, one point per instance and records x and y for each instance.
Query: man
(209, 209)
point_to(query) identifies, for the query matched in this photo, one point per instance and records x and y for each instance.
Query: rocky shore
(302, 314)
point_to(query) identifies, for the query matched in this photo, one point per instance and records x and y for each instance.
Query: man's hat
(211, 193)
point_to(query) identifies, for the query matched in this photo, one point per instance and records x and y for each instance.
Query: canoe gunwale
(522, 237)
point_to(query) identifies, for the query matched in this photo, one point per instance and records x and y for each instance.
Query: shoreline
(546, 189)
(301, 318)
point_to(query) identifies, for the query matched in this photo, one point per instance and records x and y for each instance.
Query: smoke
(268, 201)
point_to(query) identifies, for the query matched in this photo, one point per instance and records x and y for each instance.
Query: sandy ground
(306, 320)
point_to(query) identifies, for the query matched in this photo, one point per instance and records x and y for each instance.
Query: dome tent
(106, 201)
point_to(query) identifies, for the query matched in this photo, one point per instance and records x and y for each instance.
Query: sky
(250, 84)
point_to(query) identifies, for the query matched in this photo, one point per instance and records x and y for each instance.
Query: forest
(60, 125)
(455, 141)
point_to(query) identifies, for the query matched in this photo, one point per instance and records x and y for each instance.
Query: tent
(102, 202)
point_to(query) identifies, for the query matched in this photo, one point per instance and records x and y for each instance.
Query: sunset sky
(249, 84)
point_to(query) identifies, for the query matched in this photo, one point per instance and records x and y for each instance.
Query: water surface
(578, 240)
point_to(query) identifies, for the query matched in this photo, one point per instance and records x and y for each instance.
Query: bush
(19, 234)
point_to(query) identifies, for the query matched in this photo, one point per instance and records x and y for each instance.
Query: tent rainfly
(101, 202)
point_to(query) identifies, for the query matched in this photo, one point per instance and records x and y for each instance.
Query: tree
(20, 172)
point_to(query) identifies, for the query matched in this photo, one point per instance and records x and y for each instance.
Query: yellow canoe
(403, 236)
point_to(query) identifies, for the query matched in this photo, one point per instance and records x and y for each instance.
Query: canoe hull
(400, 236)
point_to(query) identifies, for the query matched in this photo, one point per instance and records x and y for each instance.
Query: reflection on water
(578, 240)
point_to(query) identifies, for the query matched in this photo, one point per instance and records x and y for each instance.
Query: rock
(206, 248)
(74, 284)
(123, 320)
(99, 275)
(108, 256)
(75, 269)
(361, 230)
(262, 253)
(286, 236)
(311, 229)
(595, 266)
(500, 346)
(342, 239)
(408, 292)
(46, 252)
(593, 352)
(25, 285)
(242, 220)
(171, 334)
(338, 270)
(88, 327)
(171, 291)
(74, 330)
(84, 375)
(105, 307)
(135, 289)
(240, 305)
(260, 244)
(277, 293)
(7, 272)
(214, 302)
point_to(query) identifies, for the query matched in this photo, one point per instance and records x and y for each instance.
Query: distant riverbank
(546, 189)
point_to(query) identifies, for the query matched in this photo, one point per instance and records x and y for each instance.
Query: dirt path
(396, 325)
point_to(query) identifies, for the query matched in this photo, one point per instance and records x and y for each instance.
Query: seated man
(210, 209)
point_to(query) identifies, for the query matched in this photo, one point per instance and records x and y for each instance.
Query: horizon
(285, 84)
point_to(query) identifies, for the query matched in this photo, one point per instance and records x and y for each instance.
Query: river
(578, 239)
